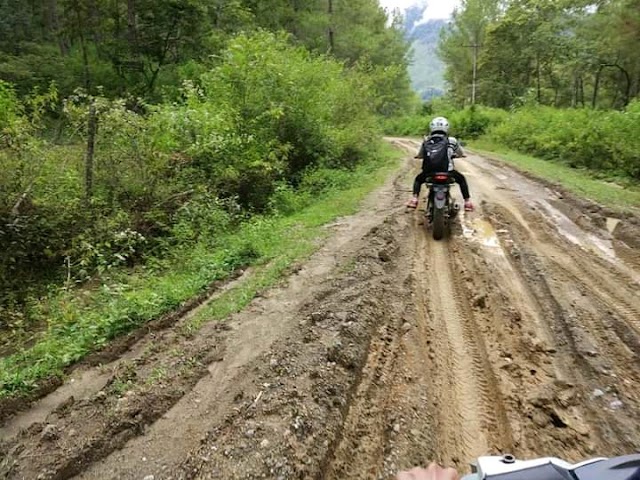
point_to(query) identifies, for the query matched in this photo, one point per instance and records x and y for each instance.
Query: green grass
(616, 193)
(83, 321)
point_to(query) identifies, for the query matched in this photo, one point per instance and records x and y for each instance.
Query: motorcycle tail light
(441, 177)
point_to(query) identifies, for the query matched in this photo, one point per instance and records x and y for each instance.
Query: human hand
(434, 472)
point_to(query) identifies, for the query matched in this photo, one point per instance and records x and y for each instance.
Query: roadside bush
(467, 123)
(474, 122)
(203, 218)
(267, 113)
(257, 133)
(323, 179)
(9, 106)
(286, 200)
(598, 140)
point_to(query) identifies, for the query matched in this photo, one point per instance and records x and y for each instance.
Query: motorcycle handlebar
(508, 468)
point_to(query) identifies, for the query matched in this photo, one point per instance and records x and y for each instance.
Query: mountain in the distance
(426, 69)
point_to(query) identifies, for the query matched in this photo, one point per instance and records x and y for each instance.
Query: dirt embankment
(520, 334)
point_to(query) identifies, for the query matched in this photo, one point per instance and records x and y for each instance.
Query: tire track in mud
(445, 403)
(597, 272)
(591, 356)
(595, 285)
(460, 384)
(556, 410)
(508, 368)
(390, 351)
(617, 316)
(365, 431)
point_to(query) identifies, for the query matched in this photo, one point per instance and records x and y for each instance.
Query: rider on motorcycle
(439, 130)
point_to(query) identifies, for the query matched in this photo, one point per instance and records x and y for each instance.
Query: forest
(149, 136)
(558, 79)
(562, 53)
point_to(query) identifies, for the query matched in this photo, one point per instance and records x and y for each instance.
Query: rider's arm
(434, 472)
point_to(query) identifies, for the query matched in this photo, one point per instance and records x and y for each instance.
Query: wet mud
(520, 333)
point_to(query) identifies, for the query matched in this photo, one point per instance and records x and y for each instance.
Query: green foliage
(473, 122)
(205, 121)
(149, 47)
(619, 193)
(600, 141)
(81, 322)
(564, 53)
(266, 130)
(9, 106)
(462, 40)
(467, 123)
(267, 113)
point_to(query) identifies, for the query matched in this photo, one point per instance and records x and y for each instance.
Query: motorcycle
(441, 209)
(508, 468)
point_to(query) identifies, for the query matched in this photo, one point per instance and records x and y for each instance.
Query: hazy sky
(437, 8)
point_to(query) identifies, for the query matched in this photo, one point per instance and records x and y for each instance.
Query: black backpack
(435, 151)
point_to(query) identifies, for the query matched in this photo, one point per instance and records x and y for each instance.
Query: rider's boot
(468, 205)
(413, 203)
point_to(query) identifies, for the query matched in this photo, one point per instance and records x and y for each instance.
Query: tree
(461, 44)
(553, 52)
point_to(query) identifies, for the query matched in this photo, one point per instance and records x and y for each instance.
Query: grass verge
(84, 321)
(614, 193)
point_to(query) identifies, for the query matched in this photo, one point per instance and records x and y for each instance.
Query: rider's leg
(417, 185)
(464, 188)
(462, 181)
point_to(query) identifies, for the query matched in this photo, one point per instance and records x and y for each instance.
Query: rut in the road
(385, 351)
(594, 339)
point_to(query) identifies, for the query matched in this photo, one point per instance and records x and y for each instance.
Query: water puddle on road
(612, 224)
(576, 235)
(481, 231)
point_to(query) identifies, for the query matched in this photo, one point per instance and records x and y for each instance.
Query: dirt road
(519, 334)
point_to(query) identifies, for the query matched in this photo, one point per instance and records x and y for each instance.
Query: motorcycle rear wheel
(438, 224)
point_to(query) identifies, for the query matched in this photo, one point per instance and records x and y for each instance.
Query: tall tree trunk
(92, 128)
(538, 88)
(580, 91)
(132, 28)
(596, 87)
(53, 23)
(80, 24)
(165, 51)
(627, 91)
(332, 43)
(95, 21)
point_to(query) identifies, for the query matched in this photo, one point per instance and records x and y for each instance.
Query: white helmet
(439, 124)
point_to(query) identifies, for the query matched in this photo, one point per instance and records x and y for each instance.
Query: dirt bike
(441, 209)
(508, 468)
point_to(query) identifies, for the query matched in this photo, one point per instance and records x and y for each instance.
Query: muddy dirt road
(520, 334)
